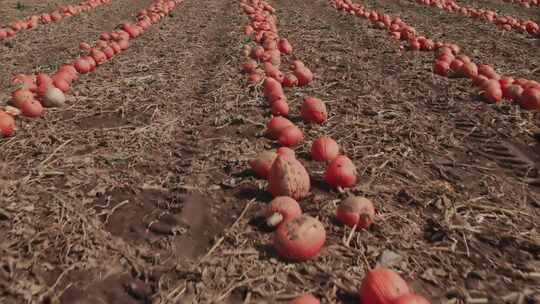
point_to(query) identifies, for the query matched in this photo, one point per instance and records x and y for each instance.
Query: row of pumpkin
(32, 22)
(34, 92)
(524, 3)
(504, 22)
(299, 237)
(451, 62)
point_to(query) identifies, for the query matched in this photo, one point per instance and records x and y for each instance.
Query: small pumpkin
(7, 124)
(262, 163)
(31, 108)
(356, 210)
(280, 210)
(276, 125)
(19, 96)
(341, 172)
(284, 46)
(313, 110)
(324, 149)
(290, 136)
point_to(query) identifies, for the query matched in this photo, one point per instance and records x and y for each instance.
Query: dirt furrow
(131, 181)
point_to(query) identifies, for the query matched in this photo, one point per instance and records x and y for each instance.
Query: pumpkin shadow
(336, 222)
(295, 119)
(319, 183)
(250, 192)
(259, 222)
(245, 174)
(266, 251)
(304, 155)
(347, 298)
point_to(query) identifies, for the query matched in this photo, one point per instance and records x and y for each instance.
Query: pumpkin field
(270, 151)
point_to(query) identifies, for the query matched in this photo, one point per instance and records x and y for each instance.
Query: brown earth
(138, 191)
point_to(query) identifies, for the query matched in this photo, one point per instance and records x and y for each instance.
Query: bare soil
(139, 191)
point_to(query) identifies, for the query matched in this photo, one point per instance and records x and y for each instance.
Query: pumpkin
(284, 46)
(341, 172)
(262, 163)
(313, 110)
(280, 210)
(324, 149)
(382, 286)
(530, 99)
(280, 107)
(276, 125)
(288, 177)
(7, 124)
(273, 90)
(299, 239)
(19, 96)
(31, 108)
(356, 210)
(290, 136)
(304, 75)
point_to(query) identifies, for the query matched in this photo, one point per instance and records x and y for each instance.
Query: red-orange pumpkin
(282, 209)
(262, 163)
(290, 136)
(276, 125)
(382, 286)
(341, 172)
(300, 239)
(313, 110)
(7, 124)
(31, 108)
(324, 149)
(288, 177)
(356, 210)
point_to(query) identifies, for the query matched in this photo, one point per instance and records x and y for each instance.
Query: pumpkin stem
(274, 219)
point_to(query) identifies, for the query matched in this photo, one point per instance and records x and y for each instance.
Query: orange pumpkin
(324, 149)
(382, 286)
(7, 124)
(288, 177)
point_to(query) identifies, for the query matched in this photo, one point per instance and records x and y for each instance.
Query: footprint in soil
(146, 215)
(115, 289)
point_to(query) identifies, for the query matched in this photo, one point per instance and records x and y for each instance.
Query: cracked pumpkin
(288, 177)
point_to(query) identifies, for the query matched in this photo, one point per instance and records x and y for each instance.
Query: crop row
(504, 22)
(299, 237)
(34, 92)
(524, 3)
(32, 22)
(450, 61)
